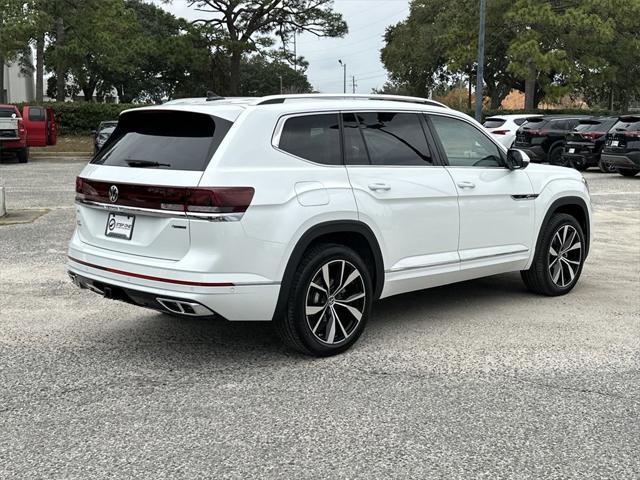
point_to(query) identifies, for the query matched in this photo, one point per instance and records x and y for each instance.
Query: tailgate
(121, 210)
(9, 129)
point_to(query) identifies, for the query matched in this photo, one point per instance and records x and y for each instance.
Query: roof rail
(273, 99)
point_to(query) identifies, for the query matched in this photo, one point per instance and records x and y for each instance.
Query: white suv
(303, 210)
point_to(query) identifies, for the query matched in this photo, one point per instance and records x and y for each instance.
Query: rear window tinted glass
(394, 138)
(493, 123)
(519, 121)
(534, 123)
(7, 112)
(602, 126)
(627, 124)
(313, 137)
(164, 139)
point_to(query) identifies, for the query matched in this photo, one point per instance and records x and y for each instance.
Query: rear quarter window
(164, 139)
(313, 137)
(36, 114)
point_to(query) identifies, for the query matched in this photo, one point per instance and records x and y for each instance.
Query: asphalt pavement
(474, 380)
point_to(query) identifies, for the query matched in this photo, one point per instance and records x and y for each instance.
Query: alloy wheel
(335, 302)
(565, 256)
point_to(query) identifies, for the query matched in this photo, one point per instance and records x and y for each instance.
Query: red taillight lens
(592, 135)
(21, 129)
(500, 132)
(178, 199)
(632, 134)
(533, 133)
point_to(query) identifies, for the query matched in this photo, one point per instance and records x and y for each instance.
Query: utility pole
(483, 7)
(353, 83)
(344, 71)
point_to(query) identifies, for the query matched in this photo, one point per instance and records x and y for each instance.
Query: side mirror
(517, 159)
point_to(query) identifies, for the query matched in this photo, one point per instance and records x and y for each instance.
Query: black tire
(627, 172)
(23, 155)
(294, 328)
(554, 155)
(606, 167)
(539, 278)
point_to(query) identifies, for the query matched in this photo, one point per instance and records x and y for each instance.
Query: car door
(406, 195)
(496, 204)
(34, 119)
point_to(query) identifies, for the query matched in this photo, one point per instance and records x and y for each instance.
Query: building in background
(19, 85)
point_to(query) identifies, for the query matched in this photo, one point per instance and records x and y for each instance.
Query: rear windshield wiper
(145, 163)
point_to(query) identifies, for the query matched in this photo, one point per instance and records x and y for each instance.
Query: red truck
(35, 127)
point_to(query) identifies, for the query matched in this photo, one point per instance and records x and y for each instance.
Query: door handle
(466, 185)
(379, 186)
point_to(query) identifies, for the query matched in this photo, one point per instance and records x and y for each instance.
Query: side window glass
(36, 114)
(464, 145)
(394, 139)
(313, 137)
(355, 152)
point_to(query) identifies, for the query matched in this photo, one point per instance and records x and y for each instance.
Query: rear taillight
(534, 133)
(592, 135)
(500, 132)
(632, 134)
(21, 130)
(177, 199)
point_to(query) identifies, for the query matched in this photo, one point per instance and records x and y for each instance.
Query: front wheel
(329, 301)
(555, 155)
(606, 167)
(559, 257)
(627, 172)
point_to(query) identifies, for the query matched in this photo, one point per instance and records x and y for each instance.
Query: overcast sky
(360, 49)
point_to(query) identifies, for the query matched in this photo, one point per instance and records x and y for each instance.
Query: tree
(248, 25)
(14, 21)
(260, 77)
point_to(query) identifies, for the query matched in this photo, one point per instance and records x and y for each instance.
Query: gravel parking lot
(474, 380)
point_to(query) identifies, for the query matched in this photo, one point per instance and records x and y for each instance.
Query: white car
(304, 210)
(504, 127)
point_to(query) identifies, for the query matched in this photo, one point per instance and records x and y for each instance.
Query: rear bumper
(630, 161)
(585, 159)
(231, 301)
(6, 145)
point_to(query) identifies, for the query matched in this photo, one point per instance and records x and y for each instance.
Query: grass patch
(71, 143)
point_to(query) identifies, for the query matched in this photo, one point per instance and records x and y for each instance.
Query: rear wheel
(558, 261)
(23, 155)
(555, 155)
(606, 167)
(627, 172)
(329, 301)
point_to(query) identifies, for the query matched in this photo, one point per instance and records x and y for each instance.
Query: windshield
(163, 139)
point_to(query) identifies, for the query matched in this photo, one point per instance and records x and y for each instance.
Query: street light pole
(480, 73)
(344, 71)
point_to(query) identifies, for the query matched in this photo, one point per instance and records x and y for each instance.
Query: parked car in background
(583, 146)
(34, 127)
(622, 146)
(102, 134)
(504, 127)
(542, 138)
(13, 134)
(304, 209)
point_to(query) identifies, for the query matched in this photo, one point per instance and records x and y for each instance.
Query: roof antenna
(212, 96)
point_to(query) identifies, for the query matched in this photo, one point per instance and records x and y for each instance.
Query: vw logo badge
(113, 194)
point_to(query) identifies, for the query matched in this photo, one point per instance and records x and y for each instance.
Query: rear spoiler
(534, 119)
(590, 121)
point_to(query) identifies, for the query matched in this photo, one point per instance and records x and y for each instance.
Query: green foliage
(590, 47)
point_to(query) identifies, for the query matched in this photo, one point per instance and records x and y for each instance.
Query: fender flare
(317, 231)
(560, 202)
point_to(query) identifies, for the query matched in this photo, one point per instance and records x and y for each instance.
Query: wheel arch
(574, 206)
(352, 233)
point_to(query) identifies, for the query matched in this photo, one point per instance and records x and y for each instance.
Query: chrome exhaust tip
(182, 307)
